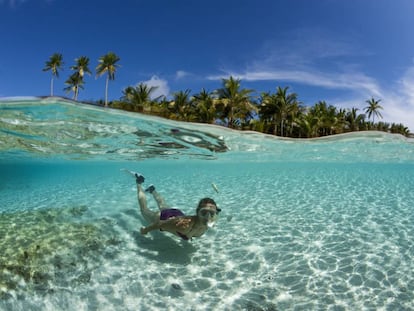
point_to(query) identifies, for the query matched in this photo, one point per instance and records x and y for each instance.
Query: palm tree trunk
(51, 87)
(230, 125)
(106, 90)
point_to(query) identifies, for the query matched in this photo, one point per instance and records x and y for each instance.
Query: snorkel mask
(208, 210)
(208, 214)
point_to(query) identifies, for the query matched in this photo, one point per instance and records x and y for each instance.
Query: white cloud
(394, 109)
(407, 85)
(315, 59)
(352, 81)
(180, 74)
(299, 56)
(398, 102)
(162, 86)
(307, 47)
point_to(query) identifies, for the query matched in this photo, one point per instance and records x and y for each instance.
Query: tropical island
(279, 113)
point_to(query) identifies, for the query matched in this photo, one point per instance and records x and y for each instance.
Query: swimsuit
(173, 212)
(170, 212)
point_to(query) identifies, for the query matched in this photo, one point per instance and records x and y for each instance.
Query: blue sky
(340, 51)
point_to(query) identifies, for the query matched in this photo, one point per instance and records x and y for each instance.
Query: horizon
(343, 53)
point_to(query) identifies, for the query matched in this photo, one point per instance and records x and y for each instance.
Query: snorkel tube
(203, 209)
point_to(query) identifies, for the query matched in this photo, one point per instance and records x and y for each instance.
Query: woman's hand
(183, 223)
(144, 230)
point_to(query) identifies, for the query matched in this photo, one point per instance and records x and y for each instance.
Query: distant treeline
(279, 113)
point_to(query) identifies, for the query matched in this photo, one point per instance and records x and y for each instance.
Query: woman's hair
(203, 202)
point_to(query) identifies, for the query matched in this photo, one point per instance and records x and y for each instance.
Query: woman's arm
(181, 224)
(153, 226)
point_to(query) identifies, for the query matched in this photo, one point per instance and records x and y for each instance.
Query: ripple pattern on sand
(290, 237)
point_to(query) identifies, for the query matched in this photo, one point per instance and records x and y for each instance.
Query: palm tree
(296, 113)
(182, 106)
(278, 107)
(373, 109)
(268, 111)
(399, 129)
(327, 116)
(107, 64)
(383, 127)
(82, 66)
(236, 101)
(54, 64)
(138, 96)
(286, 103)
(340, 121)
(162, 108)
(308, 125)
(354, 121)
(74, 82)
(205, 106)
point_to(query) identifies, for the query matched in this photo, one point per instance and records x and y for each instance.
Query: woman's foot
(150, 189)
(139, 178)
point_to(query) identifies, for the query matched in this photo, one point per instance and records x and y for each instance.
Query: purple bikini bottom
(171, 212)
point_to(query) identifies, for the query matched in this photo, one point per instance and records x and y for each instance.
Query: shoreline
(71, 101)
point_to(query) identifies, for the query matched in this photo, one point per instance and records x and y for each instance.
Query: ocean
(321, 224)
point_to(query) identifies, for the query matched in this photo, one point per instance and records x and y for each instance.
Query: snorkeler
(173, 220)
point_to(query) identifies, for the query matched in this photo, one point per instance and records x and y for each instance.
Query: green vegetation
(75, 81)
(279, 113)
(54, 64)
(107, 64)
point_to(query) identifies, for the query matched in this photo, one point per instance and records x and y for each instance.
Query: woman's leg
(157, 197)
(148, 215)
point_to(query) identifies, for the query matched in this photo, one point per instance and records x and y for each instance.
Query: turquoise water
(306, 224)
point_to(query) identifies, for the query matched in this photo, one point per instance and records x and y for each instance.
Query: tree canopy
(278, 113)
